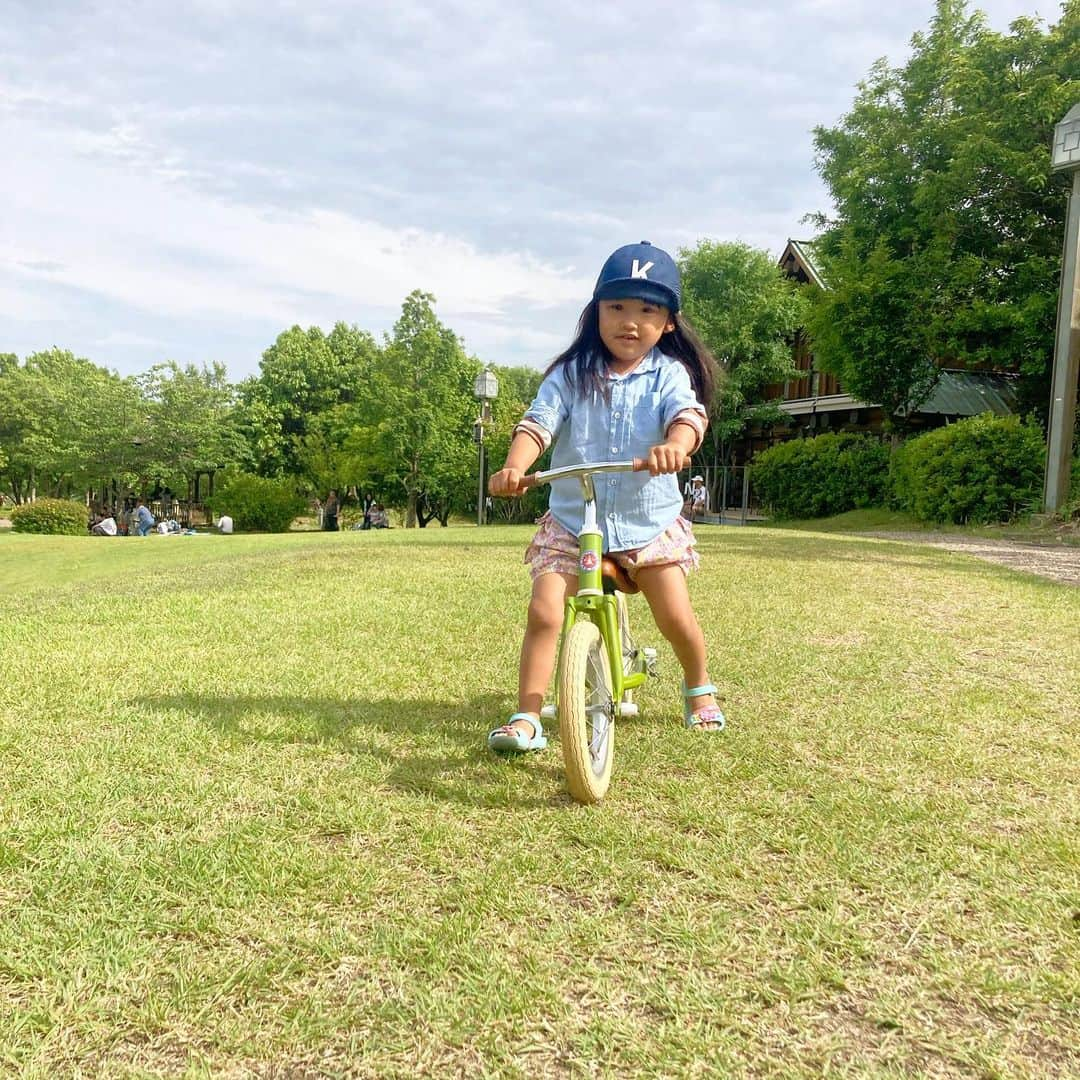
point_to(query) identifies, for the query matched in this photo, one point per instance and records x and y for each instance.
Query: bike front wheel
(586, 712)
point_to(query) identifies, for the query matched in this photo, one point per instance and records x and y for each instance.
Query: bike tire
(586, 713)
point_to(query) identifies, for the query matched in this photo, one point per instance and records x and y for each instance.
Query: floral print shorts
(554, 550)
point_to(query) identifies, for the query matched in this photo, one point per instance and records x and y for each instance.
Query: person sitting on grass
(144, 520)
(105, 525)
(699, 498)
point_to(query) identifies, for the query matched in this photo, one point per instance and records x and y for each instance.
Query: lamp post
(485, 390)
(1059, 436)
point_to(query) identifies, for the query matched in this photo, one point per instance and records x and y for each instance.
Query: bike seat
(615, 577)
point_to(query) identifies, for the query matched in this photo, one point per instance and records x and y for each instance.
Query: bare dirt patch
(1060, 564)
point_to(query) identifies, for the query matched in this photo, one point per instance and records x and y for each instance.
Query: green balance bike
(600, 666)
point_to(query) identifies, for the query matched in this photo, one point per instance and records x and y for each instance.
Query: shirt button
(611, 482)
(617, 415)
(614, 449)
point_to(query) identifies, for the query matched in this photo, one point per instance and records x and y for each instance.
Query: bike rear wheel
(586, 712)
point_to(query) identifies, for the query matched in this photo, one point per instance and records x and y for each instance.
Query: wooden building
(817, 402)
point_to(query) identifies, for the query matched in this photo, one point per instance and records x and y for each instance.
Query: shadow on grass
(420, 760)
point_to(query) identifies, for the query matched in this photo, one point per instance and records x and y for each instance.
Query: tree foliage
(188, 424)
(414, 424)
(747, 311)
(945, 244)
(517, 388)
(64, 423)
(301, 376)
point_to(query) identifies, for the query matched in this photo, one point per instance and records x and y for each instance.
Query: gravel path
(1058, 562)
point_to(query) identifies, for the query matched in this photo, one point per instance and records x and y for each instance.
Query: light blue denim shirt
(631, 508)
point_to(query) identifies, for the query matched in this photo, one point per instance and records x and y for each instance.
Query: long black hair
(586, 358)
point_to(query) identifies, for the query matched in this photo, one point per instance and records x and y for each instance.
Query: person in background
(699, 498)
(330, 512)
(225, 524)
(143, 519)
(105, 525)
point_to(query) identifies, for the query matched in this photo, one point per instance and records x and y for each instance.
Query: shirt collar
(649, 362)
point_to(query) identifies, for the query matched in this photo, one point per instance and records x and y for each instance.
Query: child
(635, 382)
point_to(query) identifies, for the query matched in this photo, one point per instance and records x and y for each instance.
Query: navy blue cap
(640, 272)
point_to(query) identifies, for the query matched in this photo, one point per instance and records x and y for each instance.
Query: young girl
(635, 382)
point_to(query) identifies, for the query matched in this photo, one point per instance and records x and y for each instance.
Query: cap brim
(637, 289)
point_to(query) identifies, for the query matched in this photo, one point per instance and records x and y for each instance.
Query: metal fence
(731, 496)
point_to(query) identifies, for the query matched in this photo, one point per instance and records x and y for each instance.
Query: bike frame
(591, 602)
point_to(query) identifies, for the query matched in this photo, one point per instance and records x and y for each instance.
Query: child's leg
(546, 609)
(664, 587)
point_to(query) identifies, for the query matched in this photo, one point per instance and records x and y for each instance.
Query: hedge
(257, 504)
(57, 516)
(983, 469)
(808, 478)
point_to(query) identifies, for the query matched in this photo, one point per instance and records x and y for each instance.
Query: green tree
(517, 388)
(303, 374)
(324, 456)
(261, 423)
(64, 423)
(189, 423)
(945, 244)
(747, 311)
(413, 426)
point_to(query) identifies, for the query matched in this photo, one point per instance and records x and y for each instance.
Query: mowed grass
(249, 826)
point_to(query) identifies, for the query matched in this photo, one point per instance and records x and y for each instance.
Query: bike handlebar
(569, 472)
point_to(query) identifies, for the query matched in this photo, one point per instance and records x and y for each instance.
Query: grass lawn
(1035, 530)
(248, 825)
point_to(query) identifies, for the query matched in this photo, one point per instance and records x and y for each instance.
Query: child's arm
(674, 452)
(524, 450)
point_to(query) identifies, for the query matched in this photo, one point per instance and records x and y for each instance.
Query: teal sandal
(510, 738)
(711, 714)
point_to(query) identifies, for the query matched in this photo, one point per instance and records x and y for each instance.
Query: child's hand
(506, 483)
(667, 457)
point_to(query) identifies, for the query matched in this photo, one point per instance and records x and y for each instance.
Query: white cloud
(136, 236)
(123, 339)
(185, 180)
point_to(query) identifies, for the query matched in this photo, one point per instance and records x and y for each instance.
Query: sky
(185, 181)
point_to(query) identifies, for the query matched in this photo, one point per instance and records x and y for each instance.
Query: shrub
(58, 516)
(256, 504)
(807, 478)
(984, 469)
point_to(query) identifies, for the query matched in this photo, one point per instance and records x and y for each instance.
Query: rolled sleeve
(551, 406)
(679, 397)
(694, 420)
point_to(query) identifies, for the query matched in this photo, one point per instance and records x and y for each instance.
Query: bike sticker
(590, 560)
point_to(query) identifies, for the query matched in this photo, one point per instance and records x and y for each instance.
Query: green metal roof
(968, 393)
(802, 249)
